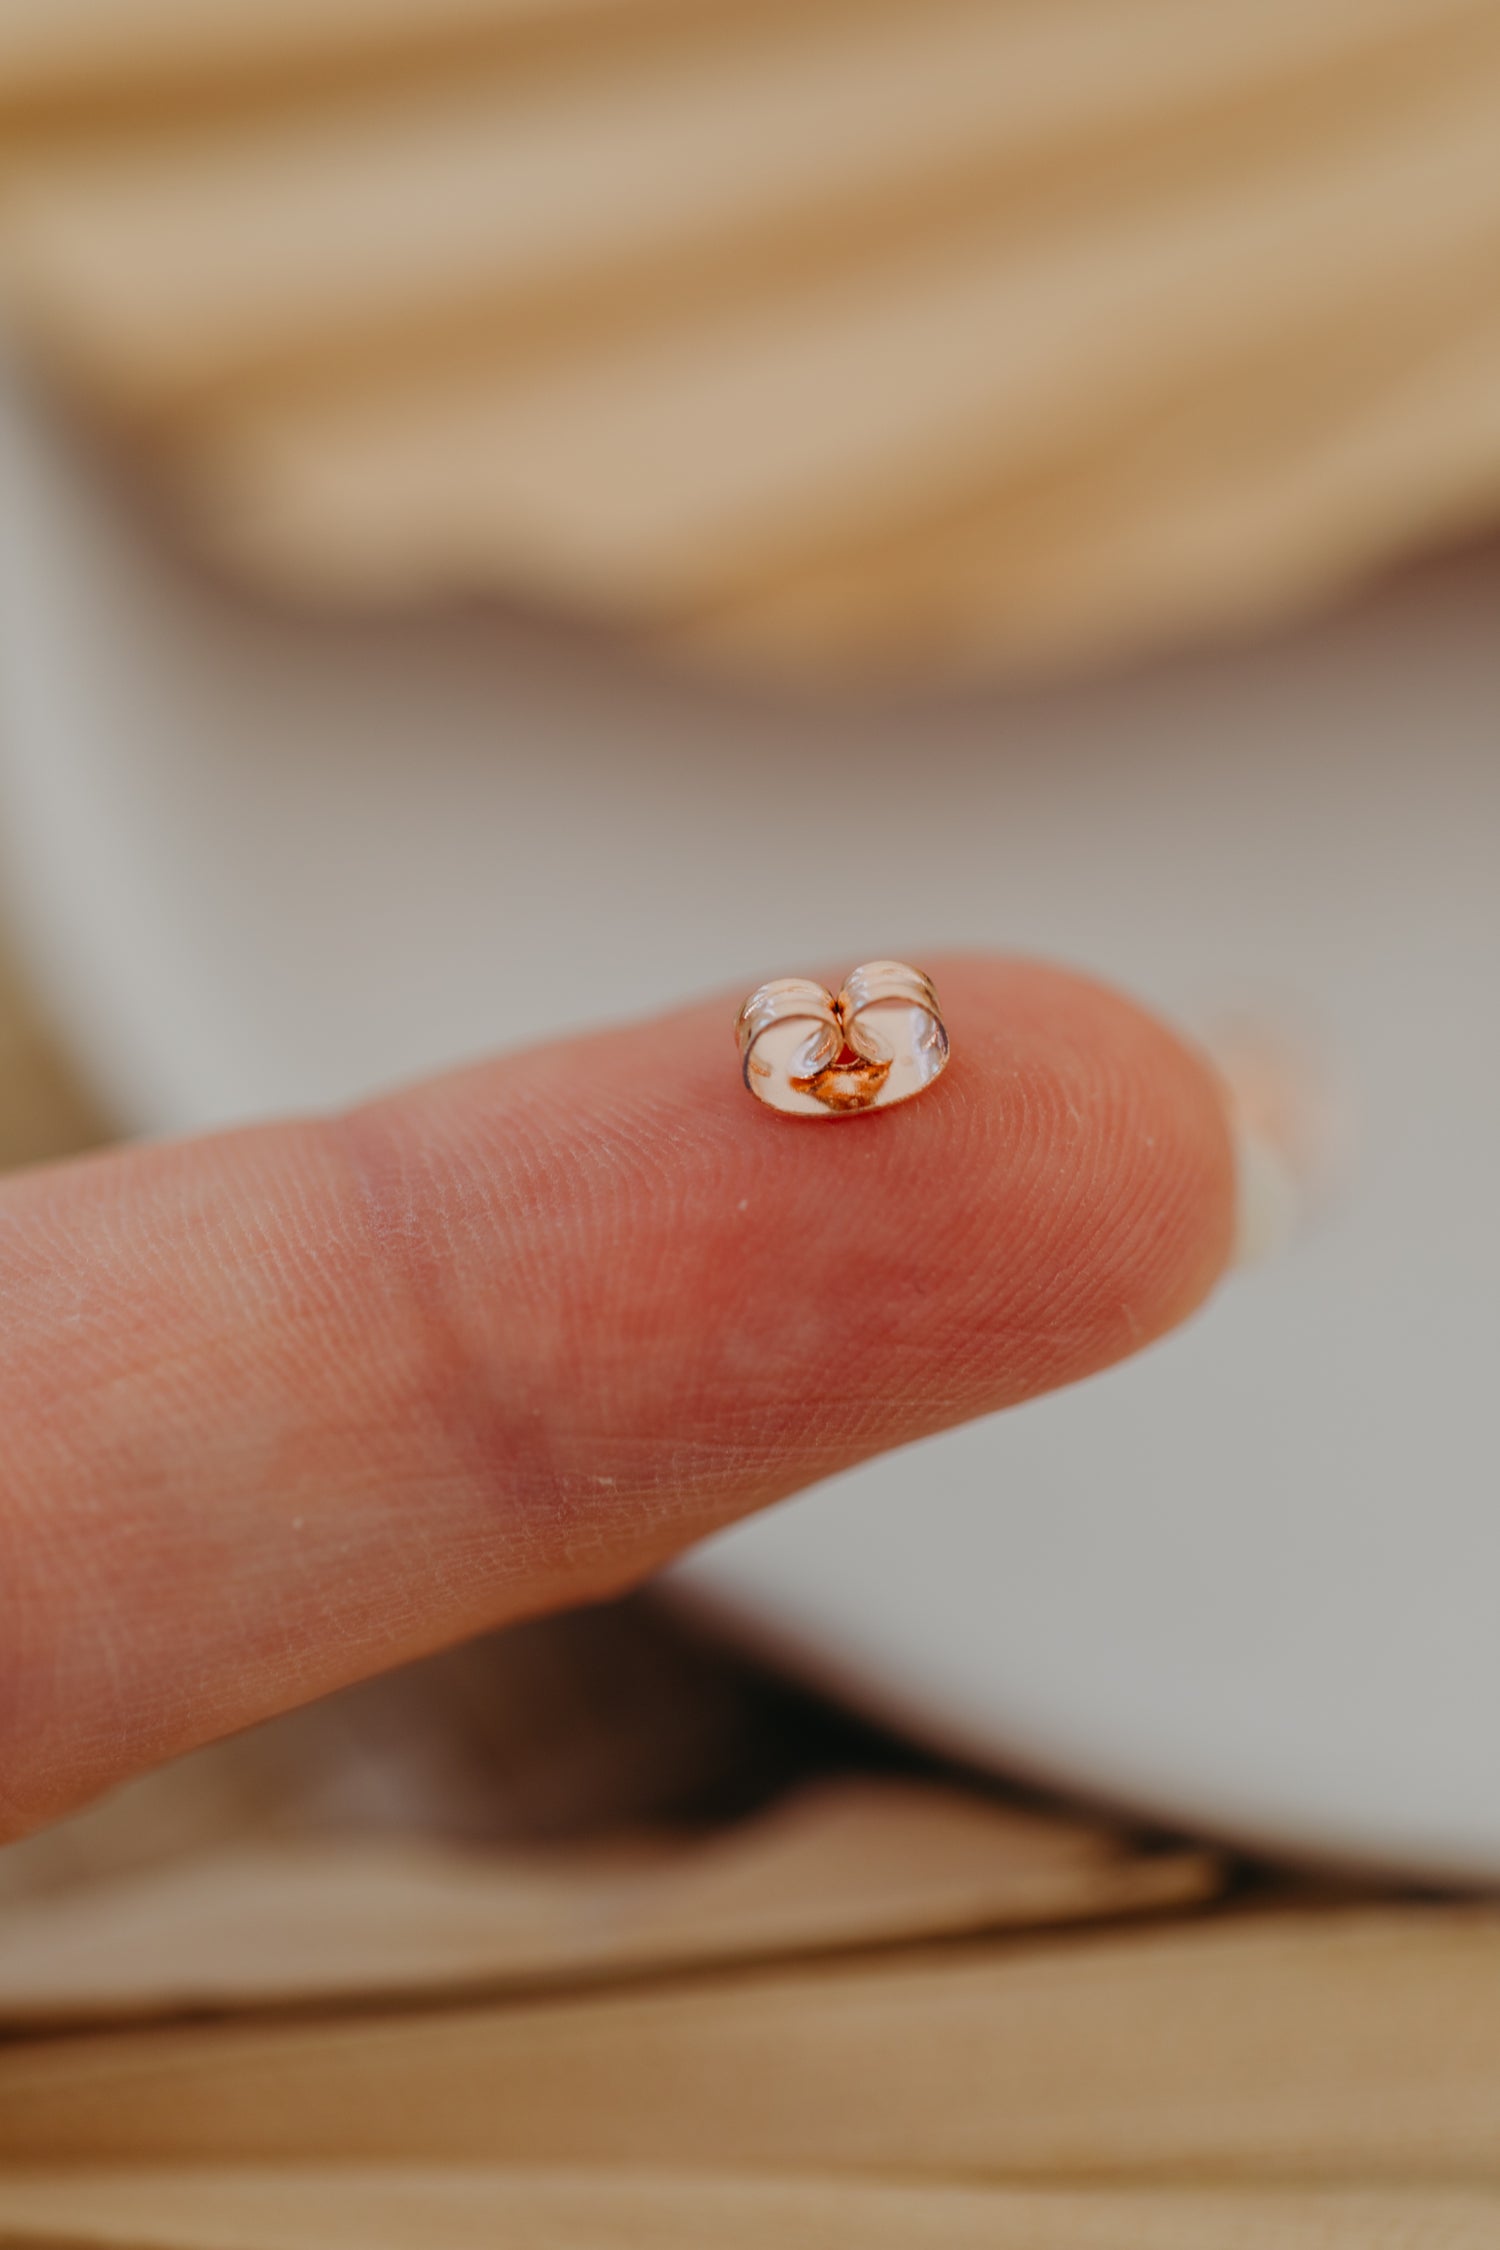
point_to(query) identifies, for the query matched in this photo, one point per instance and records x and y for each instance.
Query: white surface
(1251, 1581)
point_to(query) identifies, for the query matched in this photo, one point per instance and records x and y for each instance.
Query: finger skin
(290, 1404)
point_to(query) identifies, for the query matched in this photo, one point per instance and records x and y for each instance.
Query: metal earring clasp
(807, 1054)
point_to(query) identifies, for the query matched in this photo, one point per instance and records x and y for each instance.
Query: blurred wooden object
(65, 60)
(991, 333)
(171, 266)
(841, 1864)
(1311, 2046)
(451, 2209)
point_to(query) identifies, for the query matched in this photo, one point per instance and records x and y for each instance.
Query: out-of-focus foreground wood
(847, 334)
(839, 1864)
(1298, 2045)
(455, 2209)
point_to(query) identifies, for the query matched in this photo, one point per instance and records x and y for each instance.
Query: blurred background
(498, 494)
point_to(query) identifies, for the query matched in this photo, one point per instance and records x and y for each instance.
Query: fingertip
(1094, 1144)
(511, 1338)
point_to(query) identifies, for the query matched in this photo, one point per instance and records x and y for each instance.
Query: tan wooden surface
(993, 333)
(838, 1864)
(165, 267)
(1297, 2045)
(453, 2209)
